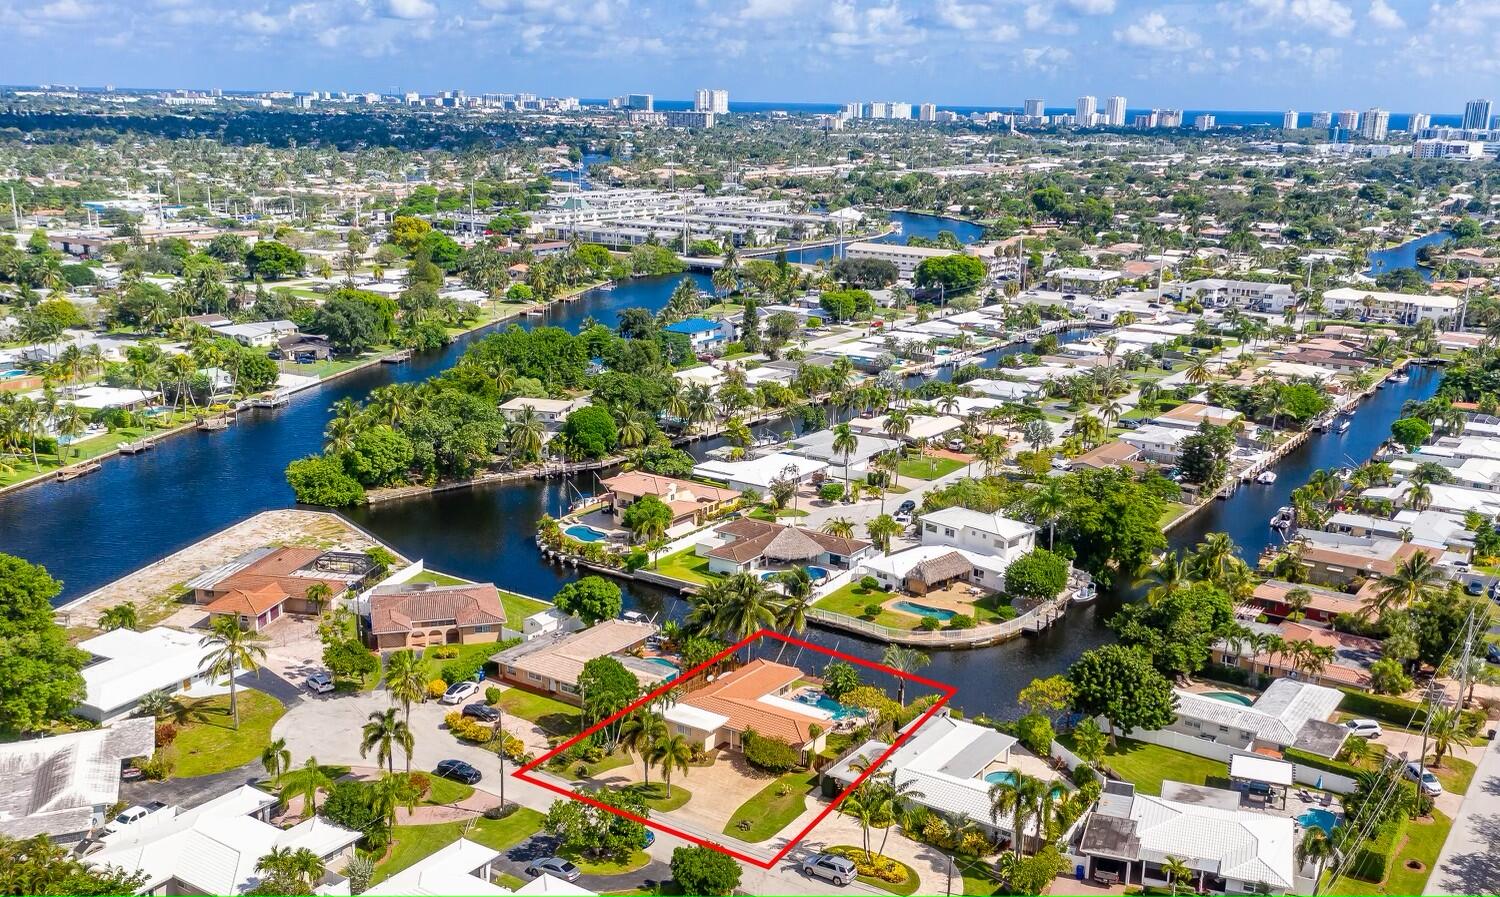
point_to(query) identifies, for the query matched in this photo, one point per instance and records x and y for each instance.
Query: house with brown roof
(552, 663)
(1336, 560)
(1189, 415)
(690, 502)
(1111, 454)
(760, 696)
(1276, 598)
(261, 586)
(418, 615)
(1349, 665)
(747, 544)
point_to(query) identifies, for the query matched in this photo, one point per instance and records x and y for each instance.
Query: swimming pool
(1008, 776)
(586, 533)
(922, 610)
(12, 374)
(823, 702)
(671, 668)
(1229, 697)
(1316, 818)
(813, 573)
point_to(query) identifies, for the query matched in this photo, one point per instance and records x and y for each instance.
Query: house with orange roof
(690, 502)
(418, 615)
(1277, 598)
(262, 586)
(761, 697)
(1349, 665)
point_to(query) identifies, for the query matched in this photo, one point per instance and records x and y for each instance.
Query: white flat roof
(695, 717)
(1260, 769)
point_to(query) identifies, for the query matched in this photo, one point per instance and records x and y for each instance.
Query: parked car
(837, 869)
(458, 771)
(459, 692)
(557, 867)
(1363, 728)
(1425, 780)
(481, 711)
(1061, 463)
(1492, 653)
(320, 683)
(907, 507)
(132, 815)
(649, 839)
(1495, 590)
(1474, 587)
(955, 445)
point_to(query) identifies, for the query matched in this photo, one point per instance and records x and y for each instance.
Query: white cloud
(769, 10)
(1154, 32)
(66, 11)
(260, 23)
(1382, 15)
(412, 9)
(1330, 16)
(1092, 7)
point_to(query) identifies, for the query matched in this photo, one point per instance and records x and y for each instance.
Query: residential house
(552, 412)
(303, 348)
(754, 697)
(257, 334)
(1257, 296)
(748, 544)
(214, 848)
(689, 502)
(1190, 415)
(1349, 667)
(261, 586)
(419, 615)
(921, 426)
(1274, 598)
(706, 336)
(550, 664)
(1129, 837)
(819, 447)
(760, 473)
(1083, 280)
(1111, 454)
(927, 568)
(61, 786)
(992, 534)
(464, 869)
(1157, 443)
(1290, 713)
(1403, 308)
(125, 666)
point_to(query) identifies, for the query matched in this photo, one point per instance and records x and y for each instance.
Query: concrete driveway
(515, 861)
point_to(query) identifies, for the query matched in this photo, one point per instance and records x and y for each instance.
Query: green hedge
(1303, 758)
(1372, 859)
(1387, 709)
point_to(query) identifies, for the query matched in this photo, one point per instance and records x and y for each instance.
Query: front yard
(1148, 765)
(552, 715)
(207, 741)
(1420, 841)
(772, 809)
(928, 468)
(413, 842)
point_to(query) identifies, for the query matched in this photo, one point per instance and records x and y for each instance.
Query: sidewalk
(1470, 861)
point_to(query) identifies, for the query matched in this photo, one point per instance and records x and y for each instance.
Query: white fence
(1213, 750)
(361, 602)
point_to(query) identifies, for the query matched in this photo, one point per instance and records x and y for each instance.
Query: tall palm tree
(1048, 503)
(842, 527)
(383, 734)
(1022, 799)
(845, 443)
(1315, 846)
(305, 782)
(904, 660)
(391, 793)
(670, 752)
(525, 434)
(121, 616)
(1413, 580)
(882, 529)
(293, 870)
(234, 649)
(639, 733)
(276, 759)
(1167, 577)
(1176, 872)
(746, 606)
(406, 679)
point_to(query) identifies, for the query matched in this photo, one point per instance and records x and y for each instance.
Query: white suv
(1363, 728)
(837, 869)
(1425, 780)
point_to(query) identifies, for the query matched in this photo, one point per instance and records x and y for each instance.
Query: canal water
(912, 225)
(1383, 261)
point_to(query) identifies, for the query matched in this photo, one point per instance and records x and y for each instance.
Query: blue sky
(1405, 55)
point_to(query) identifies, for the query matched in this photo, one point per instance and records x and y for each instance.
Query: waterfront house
(257, 334)
(1111, 454)
(1335, 560)
(303, 348)
(214, 848)
(992, 534)
(551, 411)
(927, 568)
(689, 502)
(550, 664)
(1349, 667)
(1442, 529)
(125, 665)
(706, 336)
(1252, 294)
(1404, 308)
(905, 258)
(1272, 598)
(760, 473)
(1083, 280)
(1190, 415)
(1128, 837)
(62, 786)
(419, 615)
(747, 545)
(922, 426)
(758, 696)
(819, 447)
(1157, 443)
(1290, 713)
(261, 586)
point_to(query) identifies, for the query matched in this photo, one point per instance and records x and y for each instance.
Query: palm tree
(317, 595)
(744, 607)
(1413, 580)
(845, 443)
(1166, 578)
(1443, 732)
(670, 752)
(305, 782)
(1176, 871)
(639, 733)
(292, 871)
(525, 434)
(1214, 558)
(905, 660)
(882, 529)
(406, 679)
(842, 527)
(276, 760)
(1022, 799)
(383, 734)
(1315, 846)
(1198, 373)
(863, 804)
(121, 616)
(234, 649)
(1048, 503)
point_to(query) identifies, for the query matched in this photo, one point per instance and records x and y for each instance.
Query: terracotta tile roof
(561, 657)
(1109, 454)
(473, 604)
(682, 496)
(249, 602)
(276, 570)
(1324, 600)
(757, 538)
(737, 696)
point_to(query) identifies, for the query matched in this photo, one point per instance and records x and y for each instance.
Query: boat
(1399, 378)
(1286, 515)
(1085, 593)
(1341, 425)
(1266, 477)
(77, 470)
(536, 312)
(213, 423)
(135, 448)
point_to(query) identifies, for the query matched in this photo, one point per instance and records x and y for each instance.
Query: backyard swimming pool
(823, 702)
(586, 533)
(671, 668)
(922, 610)
(1229, 697)
(813, 573)
(1008, 776)
(1316, 818)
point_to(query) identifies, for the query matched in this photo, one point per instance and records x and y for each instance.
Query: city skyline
(1257, 55)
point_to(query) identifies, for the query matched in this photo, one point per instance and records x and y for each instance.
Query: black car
(481, 711)
(907, 507)
(1492, 653)
(458, 771)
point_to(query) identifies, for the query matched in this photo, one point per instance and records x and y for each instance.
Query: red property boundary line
(946, 693)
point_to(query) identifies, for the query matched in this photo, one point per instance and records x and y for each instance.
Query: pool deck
(957, 597)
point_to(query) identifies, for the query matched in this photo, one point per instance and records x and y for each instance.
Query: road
(1470, 860)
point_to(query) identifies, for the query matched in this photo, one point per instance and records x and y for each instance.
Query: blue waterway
(1383, 261)
(912, 225)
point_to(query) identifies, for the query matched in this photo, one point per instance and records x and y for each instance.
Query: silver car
(831, 867)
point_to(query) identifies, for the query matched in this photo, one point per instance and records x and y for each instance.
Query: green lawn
(1148, 765)
(207, 742)
(413, 842)
(1171, 512)
(909, 886)
(610, 761)
(436, 578)
(851, 598)
(465, 653)
(1456, 773)
(1421, 840)
(22, 469)
(685, 565)
(656, 800)
(928, 468)
(768, 812)
(979, 876)
(447, 791)
(589, 866)
(552, 715)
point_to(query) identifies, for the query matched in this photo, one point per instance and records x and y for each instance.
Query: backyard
(207, 741)
(686, 566)
(1148, 765)
(20, 467)
(852, 599)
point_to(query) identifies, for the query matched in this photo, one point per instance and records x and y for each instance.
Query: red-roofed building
(759, 696)
(418, 615)
(260, 587)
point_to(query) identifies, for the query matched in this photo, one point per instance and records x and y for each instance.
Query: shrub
(961, 621)
(770, 754)
(873, 610)
(1038, 574)
(166, 733)
(703, 870)
(444, 652)
(929, 624)
(877, 866)
(831, 491)
(420, 781)
(461, 670)
(1035, 732)
(1385, 708)
(436, 688)
(492, 695)
(501, 811)
(869, 583)
(156, 768)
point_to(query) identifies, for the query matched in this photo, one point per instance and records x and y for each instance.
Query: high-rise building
(1321, 120)
(1084, 111)
(1419, 122)
(851, 110)
(1347, 120)
(715, 100)
(1146, 120)
(1168, 118)
(1377, 124)
(1036, 108)
(877, 110)
(927, 112)
(901, 111)
(1476, 115)
(1289, 120)
(1204, 121)
(641, 102)
(689, 118)
(1114, 112)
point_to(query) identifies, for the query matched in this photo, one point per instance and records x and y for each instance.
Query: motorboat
(1341, 425)
(1399, 378)
(1266, 477)
(1286, 515)
(1085, 593)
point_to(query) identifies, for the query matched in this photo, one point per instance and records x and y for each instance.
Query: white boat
(1266, 477)
(1341, 425)
(1398, 379)
(1285, 515)
(1085, 593)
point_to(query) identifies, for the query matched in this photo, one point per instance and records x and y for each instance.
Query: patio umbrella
(1319, 784)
